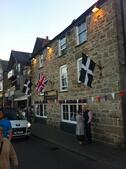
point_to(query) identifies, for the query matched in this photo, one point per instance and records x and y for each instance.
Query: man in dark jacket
(87, 115)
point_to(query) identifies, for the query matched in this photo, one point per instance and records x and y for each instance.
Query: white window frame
(79, 63)
(41, 60)
(18, 67)
(62, 45)
(63, 77)
(81, 32)
(69, 105)
(1, 85)
(38, 112)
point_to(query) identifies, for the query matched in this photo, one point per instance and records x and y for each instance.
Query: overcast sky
(22, 21)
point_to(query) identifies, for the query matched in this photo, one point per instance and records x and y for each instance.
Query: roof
(75, 22)
(19, 57)
(39, 44)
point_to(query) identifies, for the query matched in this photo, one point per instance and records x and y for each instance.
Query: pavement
(111, 156)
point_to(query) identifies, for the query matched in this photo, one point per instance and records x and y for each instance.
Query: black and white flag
(27, 87)
(87, 68)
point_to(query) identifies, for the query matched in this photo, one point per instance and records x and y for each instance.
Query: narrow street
(34, 153)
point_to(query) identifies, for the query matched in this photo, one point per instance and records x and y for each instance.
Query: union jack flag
(42, 82)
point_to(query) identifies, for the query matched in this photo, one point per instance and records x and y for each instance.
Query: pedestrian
(80, 126)
(87, 115)
(24, 112)
(6, 124)
(29, 114)
(8, 155)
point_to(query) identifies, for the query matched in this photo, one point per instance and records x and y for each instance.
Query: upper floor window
(79, 63)
(27, 71)
(81, 32)
(63, 78)
(41, 60)
(18, 67)
(62, 46)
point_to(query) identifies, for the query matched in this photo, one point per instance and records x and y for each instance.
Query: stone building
(3, 80)
(19, 73)
(100, 35)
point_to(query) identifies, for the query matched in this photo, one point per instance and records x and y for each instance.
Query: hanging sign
(51, 95)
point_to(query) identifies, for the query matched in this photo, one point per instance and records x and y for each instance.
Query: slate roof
(39, 44)
(19, 57)
(76, 22)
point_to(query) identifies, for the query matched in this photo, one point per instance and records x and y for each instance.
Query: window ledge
(61, 91)
(81, 44)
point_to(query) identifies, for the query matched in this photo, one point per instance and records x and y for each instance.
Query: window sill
(61, 91)
(81, 44)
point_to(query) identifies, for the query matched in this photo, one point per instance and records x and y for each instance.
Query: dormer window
(81, 32)
(62, 46)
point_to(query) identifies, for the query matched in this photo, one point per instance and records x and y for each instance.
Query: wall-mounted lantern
(96, 7)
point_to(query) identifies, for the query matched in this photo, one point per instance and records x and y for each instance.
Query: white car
(20, 126)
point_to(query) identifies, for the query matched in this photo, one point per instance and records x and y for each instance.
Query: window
(27, 71)
(62, 46)
(41, 60)
(1, 85)
(18, 67)
(79, 63)
(68, 112)
(41, 110)
(63, 78)
(81, 33)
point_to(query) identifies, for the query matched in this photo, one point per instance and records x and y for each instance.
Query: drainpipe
(121, 37)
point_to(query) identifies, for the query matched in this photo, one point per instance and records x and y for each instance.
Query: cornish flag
(27, 87)
(42, 82)
(87, 68)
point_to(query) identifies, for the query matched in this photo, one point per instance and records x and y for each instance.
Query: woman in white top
(80, 126)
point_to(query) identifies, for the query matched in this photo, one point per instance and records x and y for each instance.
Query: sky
(22, 21)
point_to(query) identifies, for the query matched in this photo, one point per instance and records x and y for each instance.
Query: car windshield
(13, 115)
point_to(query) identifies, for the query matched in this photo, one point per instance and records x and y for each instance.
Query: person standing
(7, 153)
(80, 126)
(24, 112)
(29, 115)
(6, 124)
(87, 115)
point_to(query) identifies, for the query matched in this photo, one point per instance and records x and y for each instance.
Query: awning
(21, 98)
